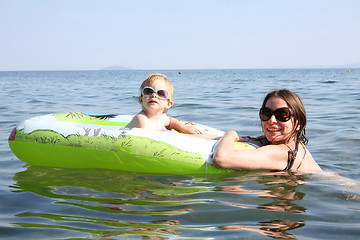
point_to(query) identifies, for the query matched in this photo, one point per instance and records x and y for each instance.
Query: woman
(282, 148)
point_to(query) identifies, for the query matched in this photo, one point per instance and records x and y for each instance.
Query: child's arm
(180, 126)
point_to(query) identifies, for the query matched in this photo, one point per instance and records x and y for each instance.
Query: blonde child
(156, 97)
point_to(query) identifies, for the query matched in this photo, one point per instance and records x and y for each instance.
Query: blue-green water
(53, 203)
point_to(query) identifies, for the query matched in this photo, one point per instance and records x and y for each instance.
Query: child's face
(153, 102)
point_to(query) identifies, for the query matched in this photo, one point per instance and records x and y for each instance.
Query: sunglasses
(162, 94)
(282, 114)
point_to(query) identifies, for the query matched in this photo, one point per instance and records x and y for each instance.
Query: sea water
(55, 203)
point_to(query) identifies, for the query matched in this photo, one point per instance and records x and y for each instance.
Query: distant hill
(353, 65)
(115, 68)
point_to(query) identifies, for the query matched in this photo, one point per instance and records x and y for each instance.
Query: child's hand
(183, 126)
(191, 130)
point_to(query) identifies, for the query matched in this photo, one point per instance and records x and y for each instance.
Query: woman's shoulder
(308, 163)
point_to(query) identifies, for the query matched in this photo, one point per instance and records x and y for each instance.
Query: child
(156, 97)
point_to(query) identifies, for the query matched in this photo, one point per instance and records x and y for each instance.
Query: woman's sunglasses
(162, 94)
(282, 114)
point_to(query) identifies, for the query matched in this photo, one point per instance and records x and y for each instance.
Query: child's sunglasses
(162, 94)
(282, 114)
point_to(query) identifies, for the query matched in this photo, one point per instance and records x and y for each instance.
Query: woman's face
(274, 130)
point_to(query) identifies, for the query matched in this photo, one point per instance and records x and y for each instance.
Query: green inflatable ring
(85, 140)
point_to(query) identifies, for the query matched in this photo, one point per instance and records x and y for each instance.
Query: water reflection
(111, 204)
(275, 229)
(115, 195)
(280, 188)
(152, 230)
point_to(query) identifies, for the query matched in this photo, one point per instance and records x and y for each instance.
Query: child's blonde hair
(158, 76)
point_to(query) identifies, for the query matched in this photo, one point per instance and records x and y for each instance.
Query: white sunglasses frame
(156, 92)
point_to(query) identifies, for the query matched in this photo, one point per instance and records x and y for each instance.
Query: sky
(170, 34)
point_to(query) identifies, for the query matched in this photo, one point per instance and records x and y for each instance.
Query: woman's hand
(224, 148)
(234, 135)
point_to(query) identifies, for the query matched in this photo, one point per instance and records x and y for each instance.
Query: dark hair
(297, 107)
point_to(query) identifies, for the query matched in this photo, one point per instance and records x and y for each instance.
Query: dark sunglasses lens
(162, 93)
(282, 114)
(265, 114)
(147, 91)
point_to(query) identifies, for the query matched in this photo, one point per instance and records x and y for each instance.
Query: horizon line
(183, 69)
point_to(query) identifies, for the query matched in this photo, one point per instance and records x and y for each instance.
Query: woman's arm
(272, 157)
